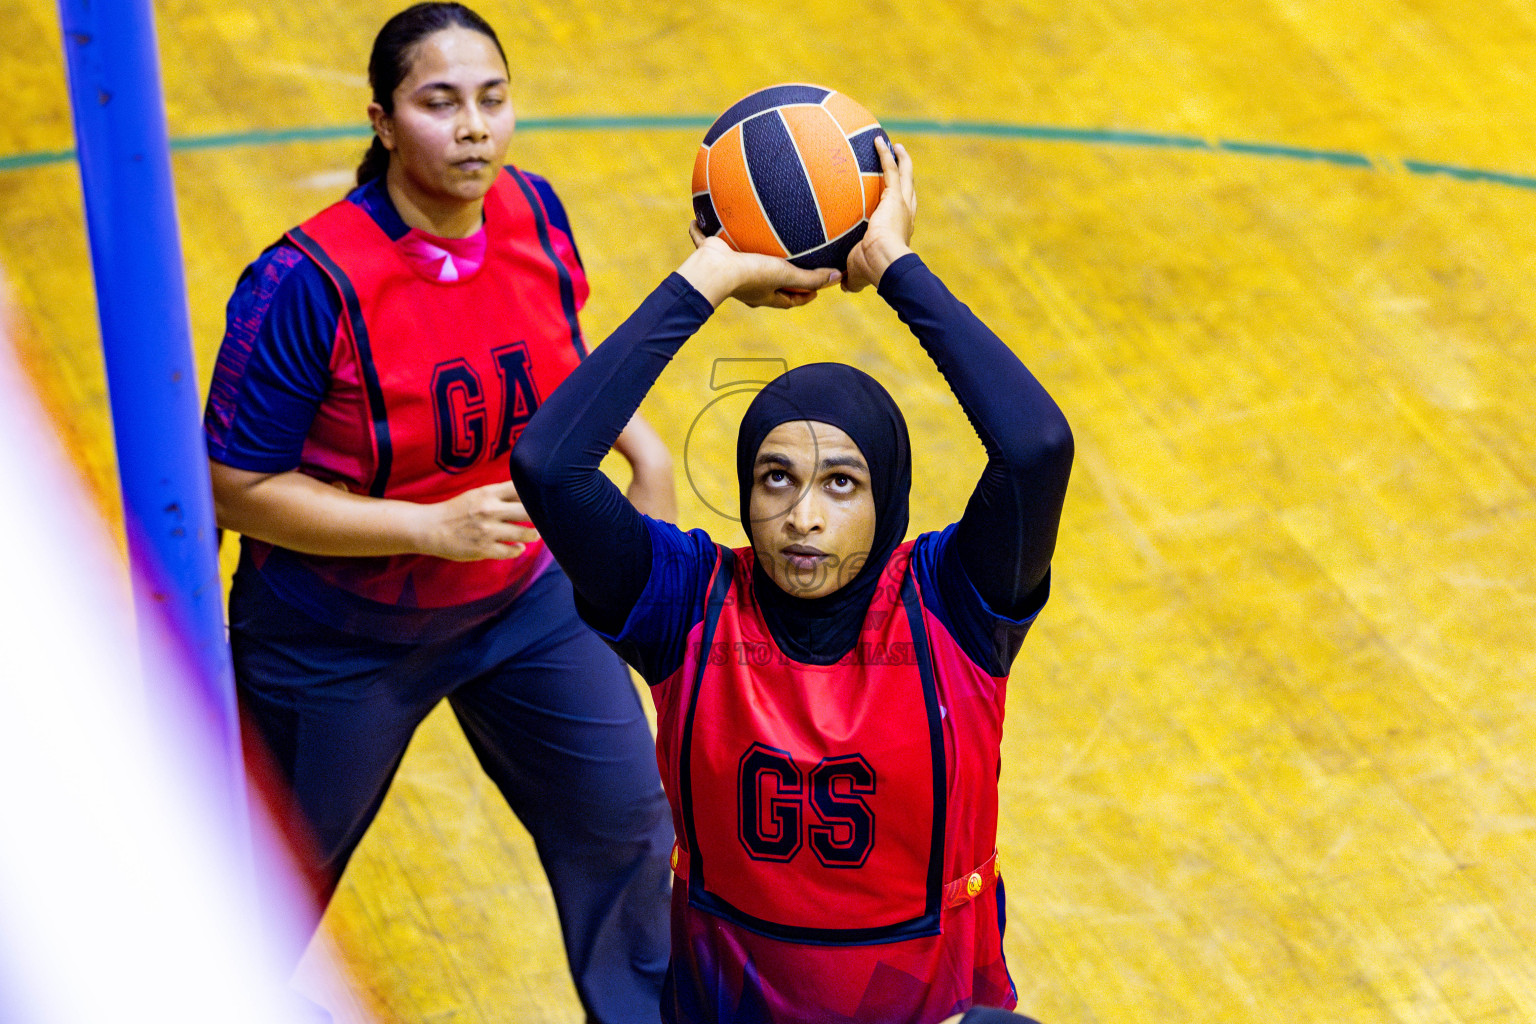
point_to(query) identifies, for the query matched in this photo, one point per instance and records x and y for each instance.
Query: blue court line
(969, 129)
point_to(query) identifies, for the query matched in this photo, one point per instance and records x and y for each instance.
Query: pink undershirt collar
(443, 259)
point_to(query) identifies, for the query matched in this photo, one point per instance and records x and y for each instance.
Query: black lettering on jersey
(772, 807)
(769, 823)
(847, 832)
(520, 397)
(458, 405)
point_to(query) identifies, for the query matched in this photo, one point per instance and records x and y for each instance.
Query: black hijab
(820, 630)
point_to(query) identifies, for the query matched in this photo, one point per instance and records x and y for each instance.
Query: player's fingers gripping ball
(790, 171)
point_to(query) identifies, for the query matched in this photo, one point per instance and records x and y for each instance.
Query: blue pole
(141, 300)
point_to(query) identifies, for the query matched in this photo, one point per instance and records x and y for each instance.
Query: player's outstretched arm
(652, 486)
(1007, 535)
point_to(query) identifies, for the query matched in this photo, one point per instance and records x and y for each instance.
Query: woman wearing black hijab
(830, 699)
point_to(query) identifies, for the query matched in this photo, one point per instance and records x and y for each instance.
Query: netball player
(830, 698)
(379, 363)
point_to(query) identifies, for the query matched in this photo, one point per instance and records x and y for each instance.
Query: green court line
(1471, 174)
(579, 124)
(1046, 133)
(271, 138)
(970, 129)
(20, 160)
(1293, 153)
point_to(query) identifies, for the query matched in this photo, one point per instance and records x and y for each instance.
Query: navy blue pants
(554, 719)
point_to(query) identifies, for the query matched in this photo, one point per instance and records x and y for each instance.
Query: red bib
(813, 797)
(432, 381)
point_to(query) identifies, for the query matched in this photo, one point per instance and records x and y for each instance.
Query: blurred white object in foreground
(119, 901)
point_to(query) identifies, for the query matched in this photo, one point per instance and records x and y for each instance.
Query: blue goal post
(152, 381)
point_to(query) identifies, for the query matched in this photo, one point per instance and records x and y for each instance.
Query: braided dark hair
(391, 60)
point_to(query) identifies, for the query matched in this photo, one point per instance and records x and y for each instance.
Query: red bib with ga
(433, 380)
(813, 796)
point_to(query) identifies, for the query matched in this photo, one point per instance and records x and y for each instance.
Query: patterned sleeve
(273, 365)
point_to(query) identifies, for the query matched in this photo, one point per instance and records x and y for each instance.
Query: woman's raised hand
(890, 226)
(720, 272)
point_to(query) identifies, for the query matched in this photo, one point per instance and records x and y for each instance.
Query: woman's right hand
(296, 511)
(487, 522)
(720, 272)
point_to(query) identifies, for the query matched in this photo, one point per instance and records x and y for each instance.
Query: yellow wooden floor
(1270, 747)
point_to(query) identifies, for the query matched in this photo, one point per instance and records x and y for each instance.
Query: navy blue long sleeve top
(1003, 542)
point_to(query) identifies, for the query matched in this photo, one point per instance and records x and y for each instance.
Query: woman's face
(452, 122)
(812, 510)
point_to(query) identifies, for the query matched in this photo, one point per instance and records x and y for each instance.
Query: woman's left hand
(890, 226)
